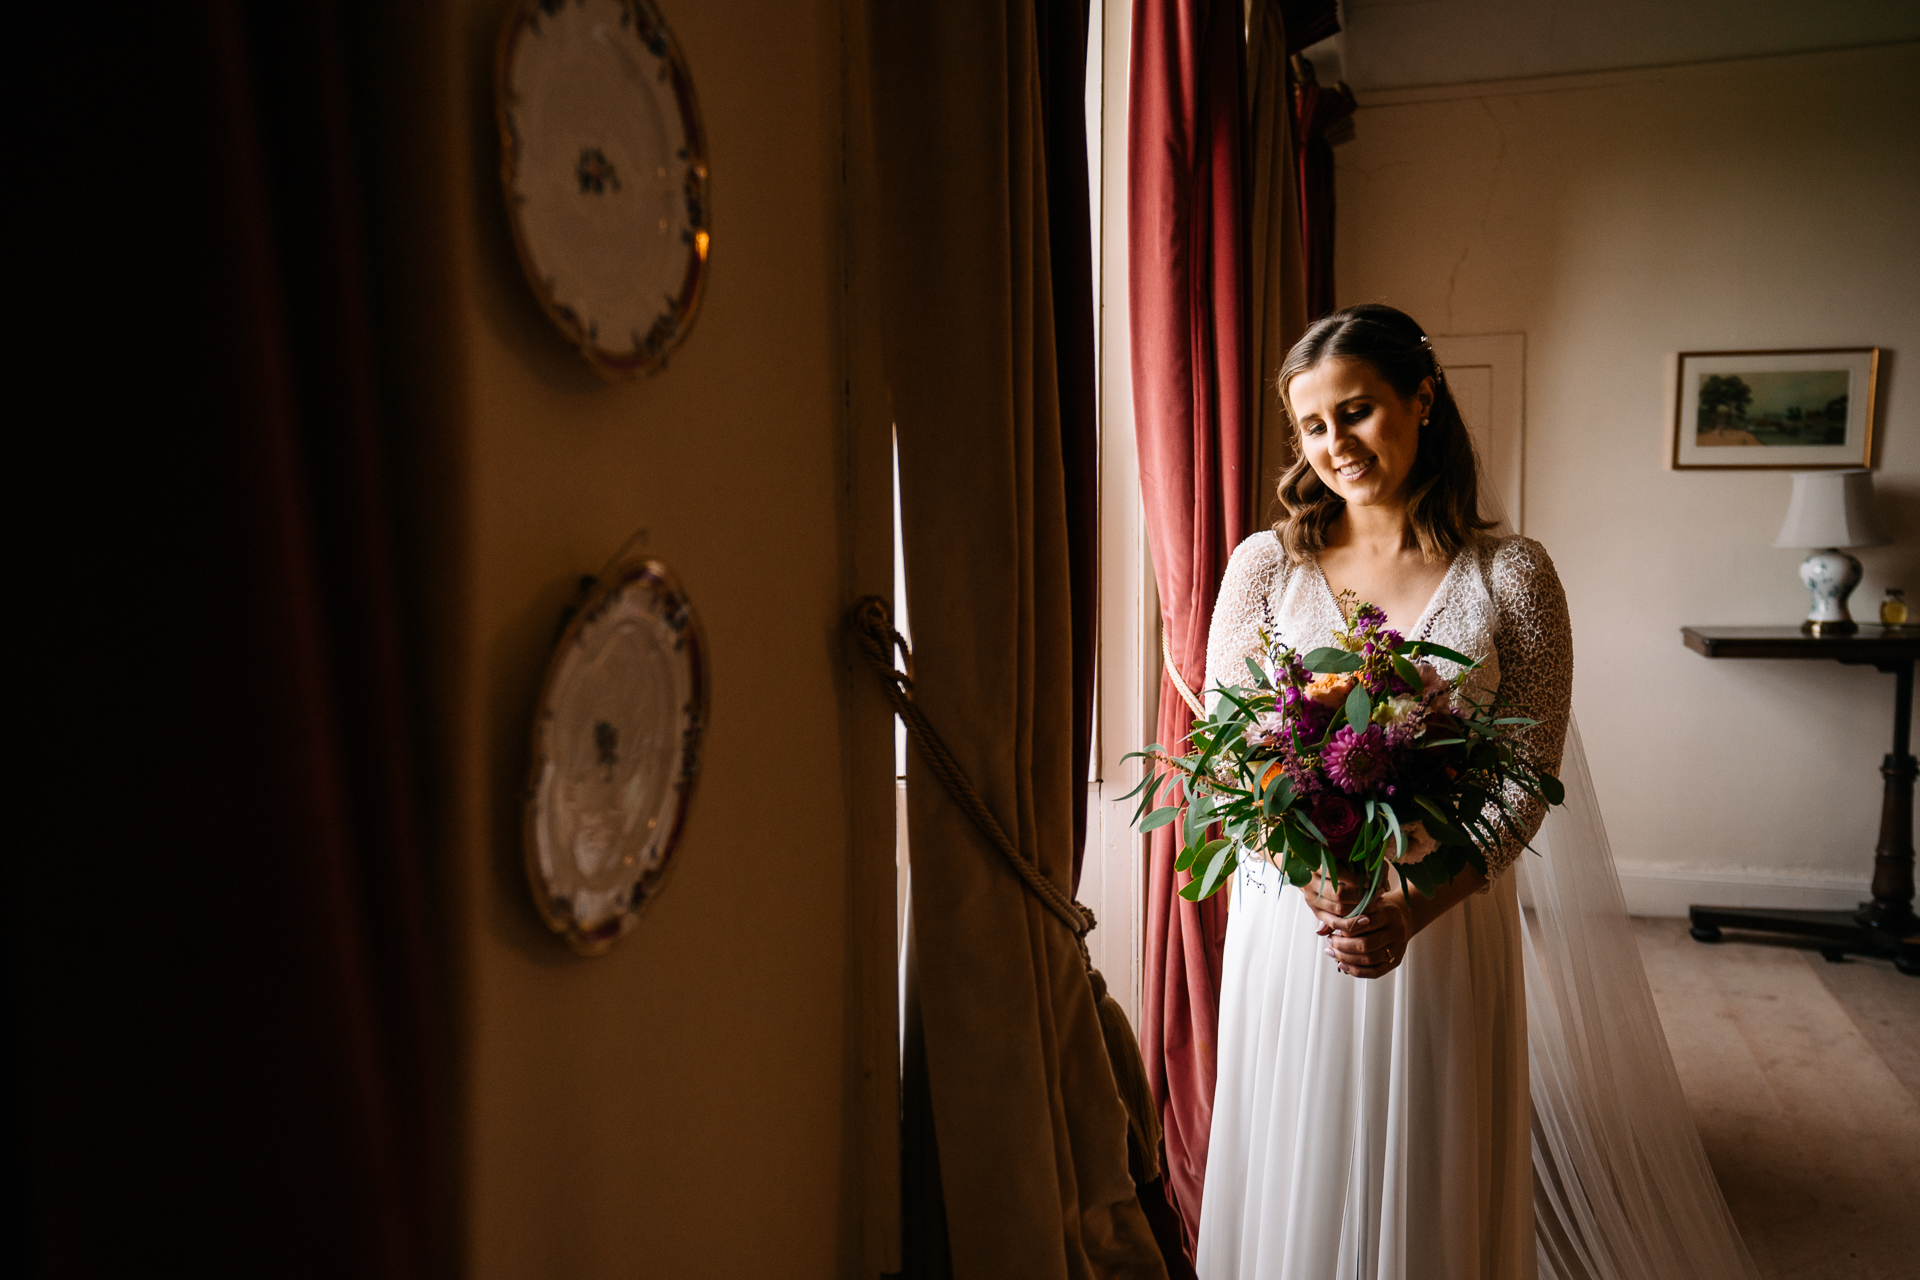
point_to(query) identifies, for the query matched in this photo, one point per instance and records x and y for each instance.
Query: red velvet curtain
(229, 1052)
(1187, 275)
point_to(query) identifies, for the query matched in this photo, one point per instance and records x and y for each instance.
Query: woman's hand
(1370, 946)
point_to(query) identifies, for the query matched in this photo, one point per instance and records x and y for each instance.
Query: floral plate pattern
(604, 166)
(616, 754)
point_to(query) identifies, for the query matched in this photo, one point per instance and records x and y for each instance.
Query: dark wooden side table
(1886, 926)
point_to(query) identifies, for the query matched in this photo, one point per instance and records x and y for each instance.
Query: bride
(1378, 1112)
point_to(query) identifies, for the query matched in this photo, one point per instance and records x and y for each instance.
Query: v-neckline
(1420, 623)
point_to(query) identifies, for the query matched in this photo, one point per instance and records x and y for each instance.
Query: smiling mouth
(1353, 470)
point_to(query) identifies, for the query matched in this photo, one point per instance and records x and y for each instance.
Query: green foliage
(1718, 392)
(1231, 801)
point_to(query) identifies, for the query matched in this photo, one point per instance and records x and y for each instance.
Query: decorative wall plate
(605, 169)
(616, 752)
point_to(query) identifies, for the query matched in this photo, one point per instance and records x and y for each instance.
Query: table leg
(1885, 926)
(1892, 905)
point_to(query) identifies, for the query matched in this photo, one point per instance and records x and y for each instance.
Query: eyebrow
(1339, 405)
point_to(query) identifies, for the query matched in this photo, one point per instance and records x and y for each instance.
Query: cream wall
(684, 1106)
(1616, 219)
(1396, 43)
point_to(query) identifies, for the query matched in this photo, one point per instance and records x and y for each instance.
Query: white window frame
(1127, 689)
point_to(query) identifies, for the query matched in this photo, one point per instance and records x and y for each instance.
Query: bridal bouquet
(1358, 755)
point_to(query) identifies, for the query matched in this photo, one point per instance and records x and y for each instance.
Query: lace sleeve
(1235, 634)
(1534, 637)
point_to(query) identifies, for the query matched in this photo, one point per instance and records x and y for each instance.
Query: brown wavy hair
(1443, 509)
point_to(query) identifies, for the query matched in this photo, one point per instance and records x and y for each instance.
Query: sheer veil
(1622, 1188)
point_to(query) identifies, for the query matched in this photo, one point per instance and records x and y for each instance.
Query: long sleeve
(1237, 610)
(1534, 637)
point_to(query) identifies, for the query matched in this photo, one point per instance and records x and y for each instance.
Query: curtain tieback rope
(1173, 673)
(872, 623)
(872, 626)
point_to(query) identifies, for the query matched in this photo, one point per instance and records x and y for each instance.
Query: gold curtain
(1278, 297)
(1031, 1170)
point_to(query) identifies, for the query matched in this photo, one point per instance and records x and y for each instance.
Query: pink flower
(1431, 681)
(1357, 761)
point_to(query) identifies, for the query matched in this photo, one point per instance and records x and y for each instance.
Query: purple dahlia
(1356, 761)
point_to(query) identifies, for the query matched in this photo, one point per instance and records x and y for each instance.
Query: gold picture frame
(1799, 409)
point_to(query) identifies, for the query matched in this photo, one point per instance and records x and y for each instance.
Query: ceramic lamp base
(1830, 577)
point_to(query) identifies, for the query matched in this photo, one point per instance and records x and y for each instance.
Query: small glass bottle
(1893, 610)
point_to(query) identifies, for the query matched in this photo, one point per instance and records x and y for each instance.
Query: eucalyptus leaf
(1359, 708)
(1438, 823)
(1152, 793)
(1399, 839)
(1327, 659)
(1159, 818)
(1233, 696)
(1223, 863)
(1428, 649)
(1372, 888)
(1278, 798)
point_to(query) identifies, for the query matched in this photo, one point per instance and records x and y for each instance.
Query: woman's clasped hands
(1369, 946)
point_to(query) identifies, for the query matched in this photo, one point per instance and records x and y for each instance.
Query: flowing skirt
(1369, 1129)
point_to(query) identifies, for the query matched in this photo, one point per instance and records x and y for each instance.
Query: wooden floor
(1804, 1080)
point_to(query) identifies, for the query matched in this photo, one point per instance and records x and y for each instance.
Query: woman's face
(1358, 435)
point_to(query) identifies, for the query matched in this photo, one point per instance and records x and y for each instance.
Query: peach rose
(1330, 690)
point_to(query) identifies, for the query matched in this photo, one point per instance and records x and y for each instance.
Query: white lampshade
(1831, 509)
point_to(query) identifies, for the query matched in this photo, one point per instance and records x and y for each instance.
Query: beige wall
(1397, 43)
(1615, 220)
(680, 1107)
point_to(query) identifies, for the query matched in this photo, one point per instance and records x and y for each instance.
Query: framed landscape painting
(1805, 410)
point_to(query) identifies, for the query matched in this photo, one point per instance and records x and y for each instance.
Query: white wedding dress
(1400, 1128)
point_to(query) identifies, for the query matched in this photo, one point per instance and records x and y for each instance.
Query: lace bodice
(1500, 601)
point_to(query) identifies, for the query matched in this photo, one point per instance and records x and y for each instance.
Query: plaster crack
(1486, 208)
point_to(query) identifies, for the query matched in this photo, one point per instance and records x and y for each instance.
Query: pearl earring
(1423, 422)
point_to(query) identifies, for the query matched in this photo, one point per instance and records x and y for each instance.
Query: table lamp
(1830, 510)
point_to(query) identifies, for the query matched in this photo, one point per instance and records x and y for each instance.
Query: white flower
(1419, 843)
(1266, 731)
(1397, 710)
